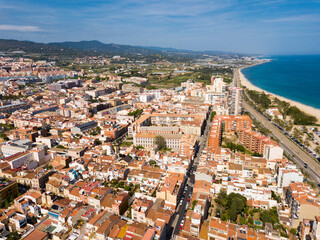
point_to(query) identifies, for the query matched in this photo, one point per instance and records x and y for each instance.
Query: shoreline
(303, 107)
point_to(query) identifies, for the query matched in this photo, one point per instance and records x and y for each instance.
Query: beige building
(147, 140)
(303, 202)
(187, 124)
(169, 190)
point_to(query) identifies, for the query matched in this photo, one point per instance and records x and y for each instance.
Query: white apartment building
(148, 97)
(219, 85)
(272, 152)
(235, 101)
(212, 97)
(287, 176)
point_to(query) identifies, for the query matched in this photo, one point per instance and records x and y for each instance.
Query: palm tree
(317, 149)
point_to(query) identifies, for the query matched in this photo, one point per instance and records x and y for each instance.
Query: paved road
(297, 154)
(181, 209)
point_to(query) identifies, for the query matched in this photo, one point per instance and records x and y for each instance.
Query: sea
(296, 77)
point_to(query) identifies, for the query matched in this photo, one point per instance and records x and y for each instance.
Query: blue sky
(249, 26)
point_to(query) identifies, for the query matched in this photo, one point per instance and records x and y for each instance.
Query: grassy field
(175, 81)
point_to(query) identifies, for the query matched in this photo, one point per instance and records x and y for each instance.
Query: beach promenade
(305, 108)
(297, 154)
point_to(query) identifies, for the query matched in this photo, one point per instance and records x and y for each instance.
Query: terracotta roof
(36, 234)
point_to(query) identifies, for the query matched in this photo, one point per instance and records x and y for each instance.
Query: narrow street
(174, 228)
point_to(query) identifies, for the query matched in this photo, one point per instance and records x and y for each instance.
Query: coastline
(305, 108)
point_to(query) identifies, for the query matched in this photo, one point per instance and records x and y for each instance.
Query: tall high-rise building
(234, 103)
(219, 85)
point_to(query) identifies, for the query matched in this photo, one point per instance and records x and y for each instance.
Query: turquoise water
(294, 77)
(257, 223)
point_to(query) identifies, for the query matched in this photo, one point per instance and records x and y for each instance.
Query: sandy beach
(305, 108)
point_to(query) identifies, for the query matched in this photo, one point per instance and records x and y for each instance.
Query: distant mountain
(95, 47)
(88, 45)
(163, 49)
(187, 51)
(110, 48)
(117, 48)
(9, 45)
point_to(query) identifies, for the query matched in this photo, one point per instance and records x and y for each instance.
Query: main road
(174, 227)
(297, 154)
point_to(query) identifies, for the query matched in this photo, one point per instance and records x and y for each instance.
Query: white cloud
(3, 6)
(19, 28)
(268, 2)
(299, 18)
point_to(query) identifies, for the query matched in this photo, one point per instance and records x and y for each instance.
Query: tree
(231, 205)
(60, 146)
(14, 236)
(98, 129)
(288, 127)
(260, 98)
(269, 216)
(152, 162)
(139, 147)
(225, 217)
(275, 196)
(120, 184)
(236, 204)
(242, 221)
(299, 117)
(6, 204)
(221, 199)
(194, 203)
(293, 231)
(160, 142)
(4, 136)
(255, 154)
(317, 149)
(114, 182)
(212, 115)
(304, 129)
(235, 209)
(296, 133)
(49, 167)
(136, 113)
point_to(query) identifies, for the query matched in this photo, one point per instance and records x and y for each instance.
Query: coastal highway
(297, 154)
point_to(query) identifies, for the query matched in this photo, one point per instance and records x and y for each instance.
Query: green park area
(233, 207)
